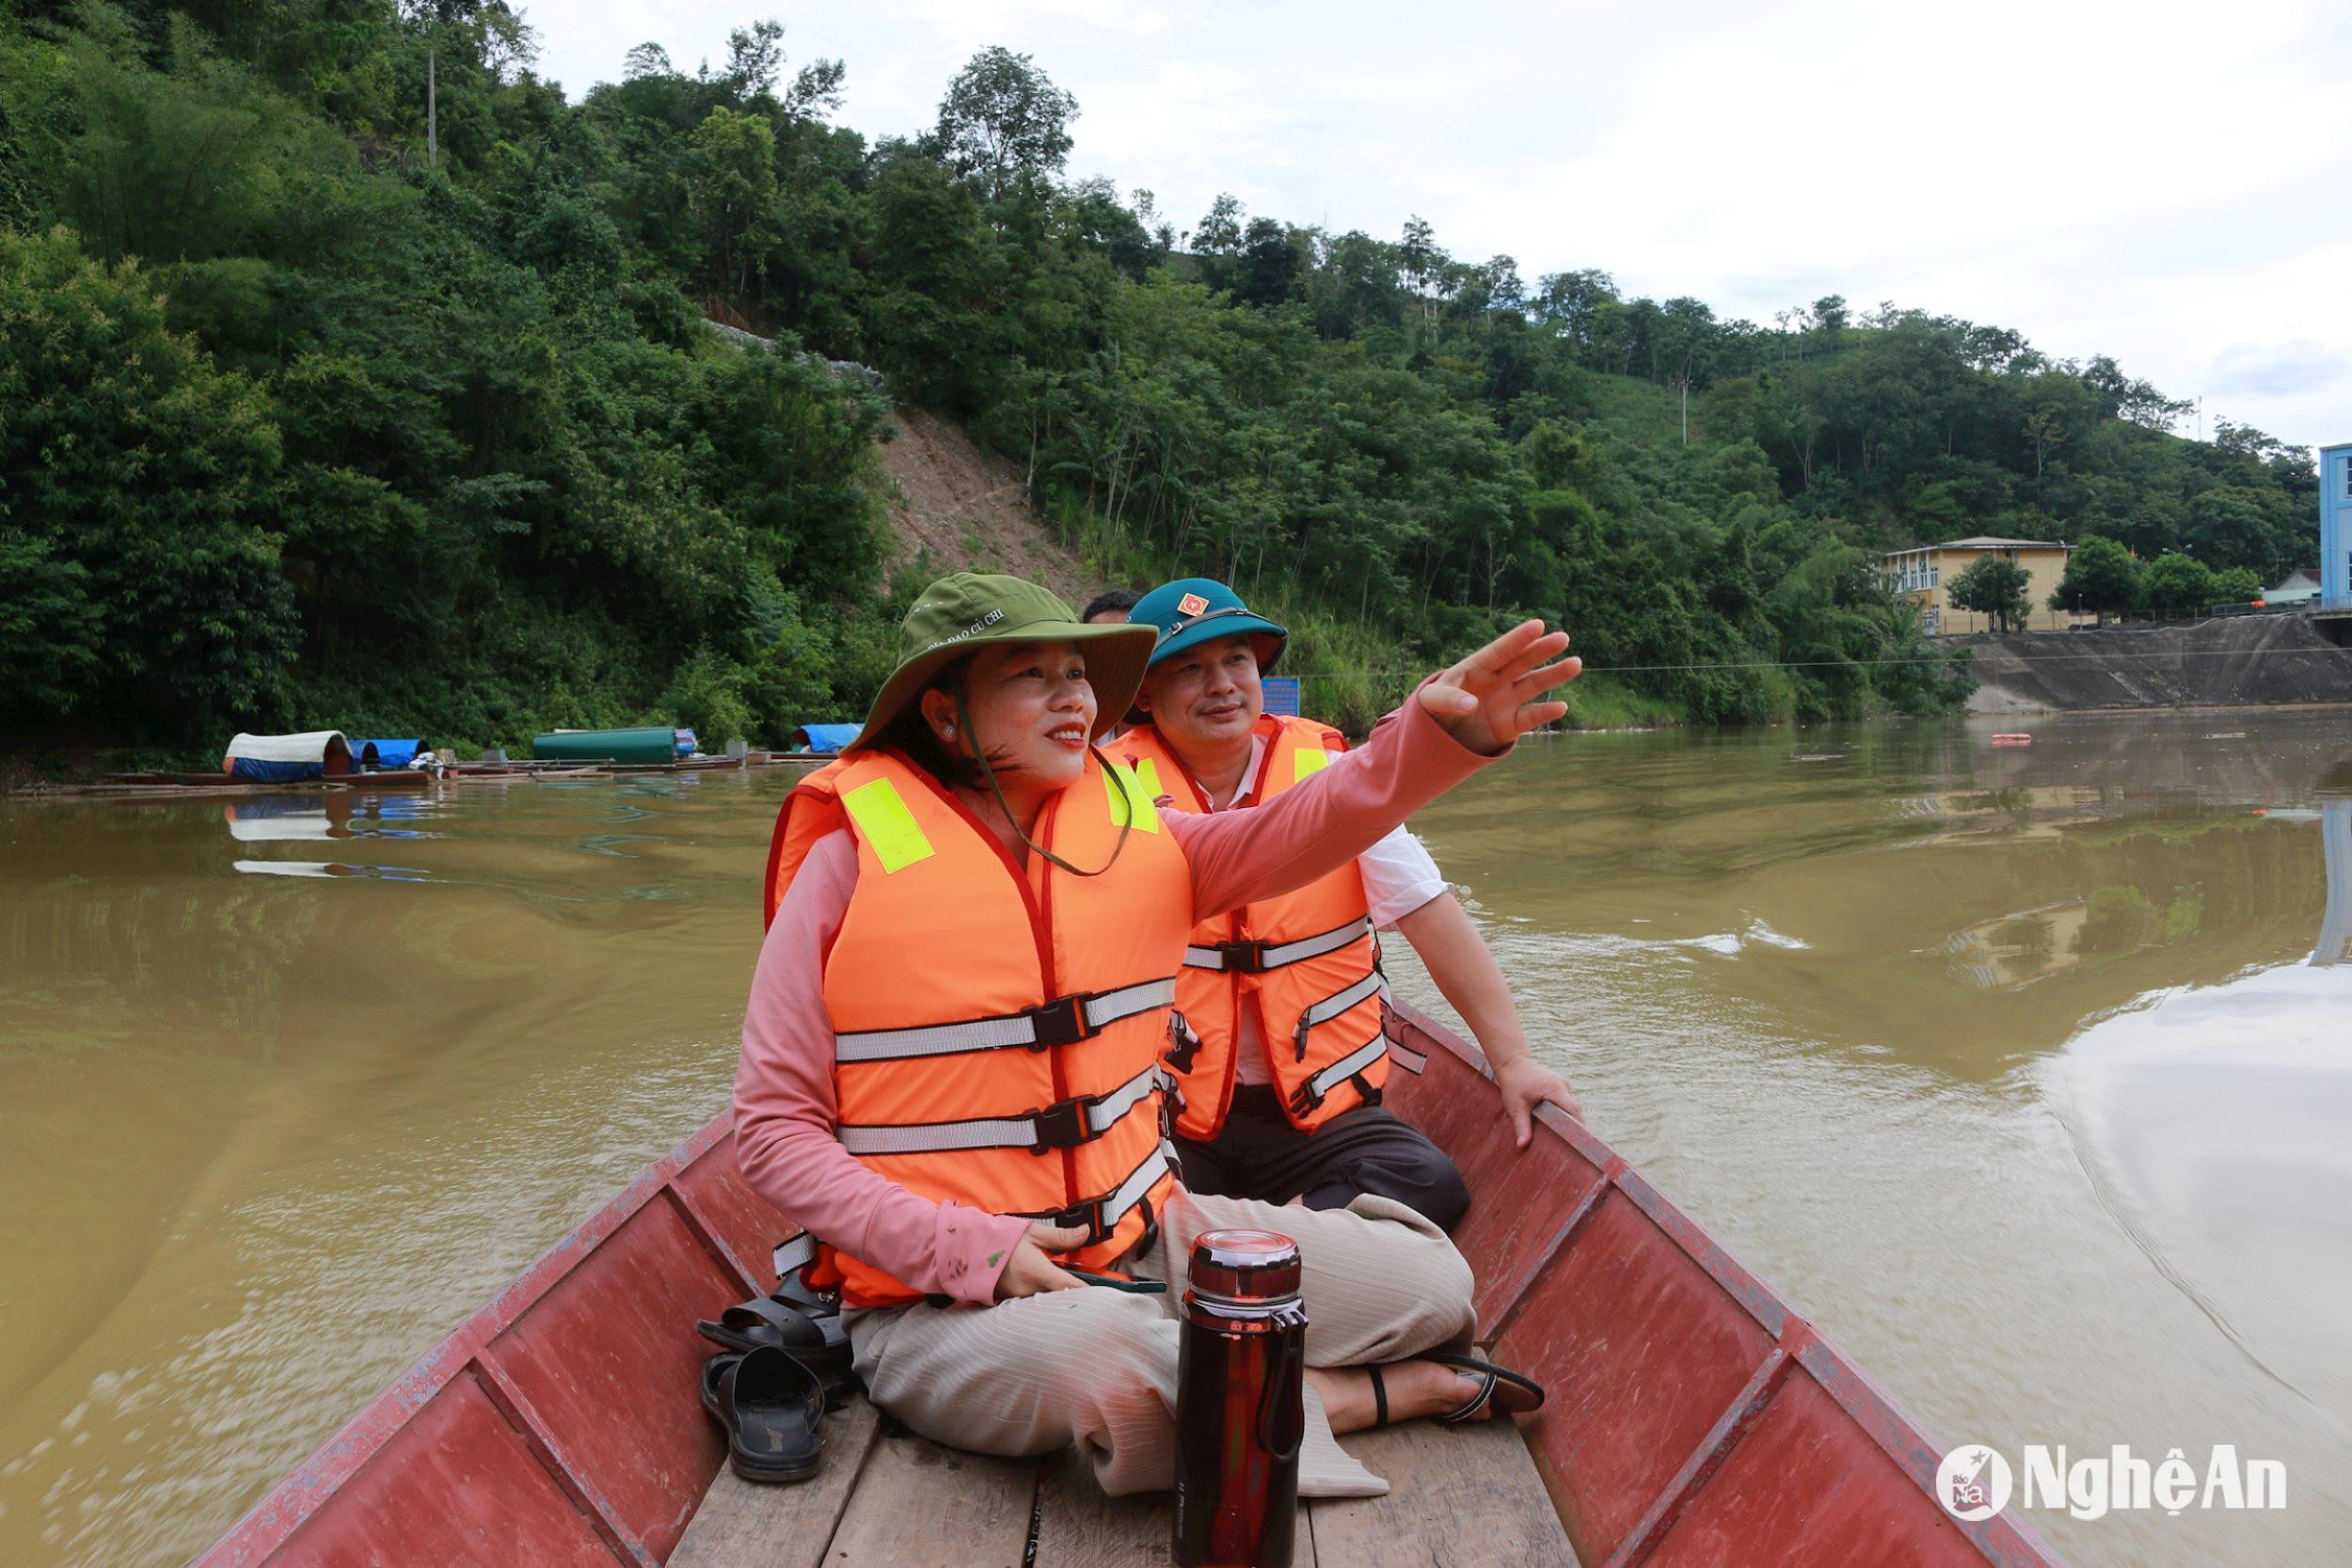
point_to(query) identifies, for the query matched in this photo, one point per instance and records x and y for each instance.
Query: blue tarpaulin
(826, 739)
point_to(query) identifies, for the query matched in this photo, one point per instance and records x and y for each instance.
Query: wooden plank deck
(1463, 1498)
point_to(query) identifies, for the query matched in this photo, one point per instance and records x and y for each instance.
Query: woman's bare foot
(1415, 1389)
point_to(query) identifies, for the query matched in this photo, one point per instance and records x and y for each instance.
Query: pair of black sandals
(785, 1363)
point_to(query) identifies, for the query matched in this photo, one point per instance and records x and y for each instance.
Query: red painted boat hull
(1693, 1419)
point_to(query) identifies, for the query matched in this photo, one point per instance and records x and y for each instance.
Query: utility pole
(432, 114)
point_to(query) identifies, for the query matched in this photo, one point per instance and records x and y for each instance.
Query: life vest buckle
(1060, 1125)
(1060, 1022)
(1243, 957)
(1184, 1044)
(1088, 1213)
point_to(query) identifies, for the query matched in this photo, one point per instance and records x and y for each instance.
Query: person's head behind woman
(1202, 689)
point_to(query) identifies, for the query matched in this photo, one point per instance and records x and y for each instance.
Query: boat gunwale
(298, 1496)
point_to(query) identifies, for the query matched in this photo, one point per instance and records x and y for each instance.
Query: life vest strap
(794, 1254)
(1332, 1006)
(1312, 1092)
(1100, 1216)
(1064, 1021)
(1256, 957)
(1064, 1124)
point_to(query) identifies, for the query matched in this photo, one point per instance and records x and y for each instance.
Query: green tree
(2237, 585)
(1003, 122)
(1992, 586)
(734, 195)
(2101, 576)
(2176, 583)
(139, 481)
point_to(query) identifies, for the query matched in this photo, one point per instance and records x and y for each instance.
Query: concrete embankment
(2244, 662)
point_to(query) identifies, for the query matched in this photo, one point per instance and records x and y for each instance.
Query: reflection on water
(2015, 1069)
(289, 818)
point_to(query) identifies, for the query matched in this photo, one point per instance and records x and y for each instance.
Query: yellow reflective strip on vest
(1309, 759)
(1125, 791)
(1148, 775)
(888, 827)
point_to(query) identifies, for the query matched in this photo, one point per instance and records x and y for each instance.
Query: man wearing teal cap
(1280, 1052)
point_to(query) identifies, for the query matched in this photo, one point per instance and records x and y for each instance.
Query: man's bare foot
(1415, 1389)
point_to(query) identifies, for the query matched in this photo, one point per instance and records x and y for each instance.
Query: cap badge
(1191, 604)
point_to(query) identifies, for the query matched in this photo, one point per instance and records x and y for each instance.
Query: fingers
(1510, 646)
(1445, 700)
(1536, 682)
(1057, 1238)
(1523, 1122)
(1515, 649)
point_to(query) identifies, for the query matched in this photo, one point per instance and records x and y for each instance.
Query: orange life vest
(997, 1039)
(1306, 962)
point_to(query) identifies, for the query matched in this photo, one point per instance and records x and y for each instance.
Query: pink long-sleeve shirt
(786, 1109)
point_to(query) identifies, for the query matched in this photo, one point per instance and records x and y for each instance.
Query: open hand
(1496, 696)
(1028, 1272)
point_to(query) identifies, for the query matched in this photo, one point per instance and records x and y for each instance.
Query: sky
(2168, 183)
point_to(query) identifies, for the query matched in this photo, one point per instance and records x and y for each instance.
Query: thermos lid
(1242, 1267)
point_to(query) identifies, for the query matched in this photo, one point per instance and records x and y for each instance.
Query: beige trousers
(1097, 1367)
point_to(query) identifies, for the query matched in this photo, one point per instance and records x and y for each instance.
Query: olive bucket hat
(956, 614)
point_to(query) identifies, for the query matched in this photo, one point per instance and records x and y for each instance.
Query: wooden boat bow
(1693, 1419)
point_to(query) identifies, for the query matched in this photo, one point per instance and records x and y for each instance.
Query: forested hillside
(313, 412)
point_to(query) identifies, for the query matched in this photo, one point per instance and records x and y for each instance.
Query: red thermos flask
(1240, 1411)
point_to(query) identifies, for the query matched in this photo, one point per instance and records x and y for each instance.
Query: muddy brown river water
(2027, 1074)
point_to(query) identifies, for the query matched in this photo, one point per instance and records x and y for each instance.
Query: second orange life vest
(1306, 963)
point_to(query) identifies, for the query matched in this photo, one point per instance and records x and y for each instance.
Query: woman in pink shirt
(987, 1341)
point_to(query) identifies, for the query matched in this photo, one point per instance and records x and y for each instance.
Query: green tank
(621, 746)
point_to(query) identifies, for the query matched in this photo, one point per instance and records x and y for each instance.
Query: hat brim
(1116, 656)
(1211, 631)
(1253, 626)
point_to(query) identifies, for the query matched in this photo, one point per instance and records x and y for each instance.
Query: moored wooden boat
(1693, 1418)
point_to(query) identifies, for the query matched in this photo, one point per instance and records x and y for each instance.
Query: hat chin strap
(979, 754)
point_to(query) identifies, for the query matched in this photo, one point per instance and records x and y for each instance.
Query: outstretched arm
(1459, 721)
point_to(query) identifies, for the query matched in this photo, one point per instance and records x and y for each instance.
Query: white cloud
(2163, 183)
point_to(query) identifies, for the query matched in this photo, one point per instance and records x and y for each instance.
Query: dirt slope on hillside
(964, 507)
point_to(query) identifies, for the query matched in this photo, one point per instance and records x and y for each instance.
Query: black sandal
(815, 1338)
(771, 1407)
(1379, 1397)
(1511, 1393)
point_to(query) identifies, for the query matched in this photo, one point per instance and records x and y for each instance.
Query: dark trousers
(1259, 1154)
